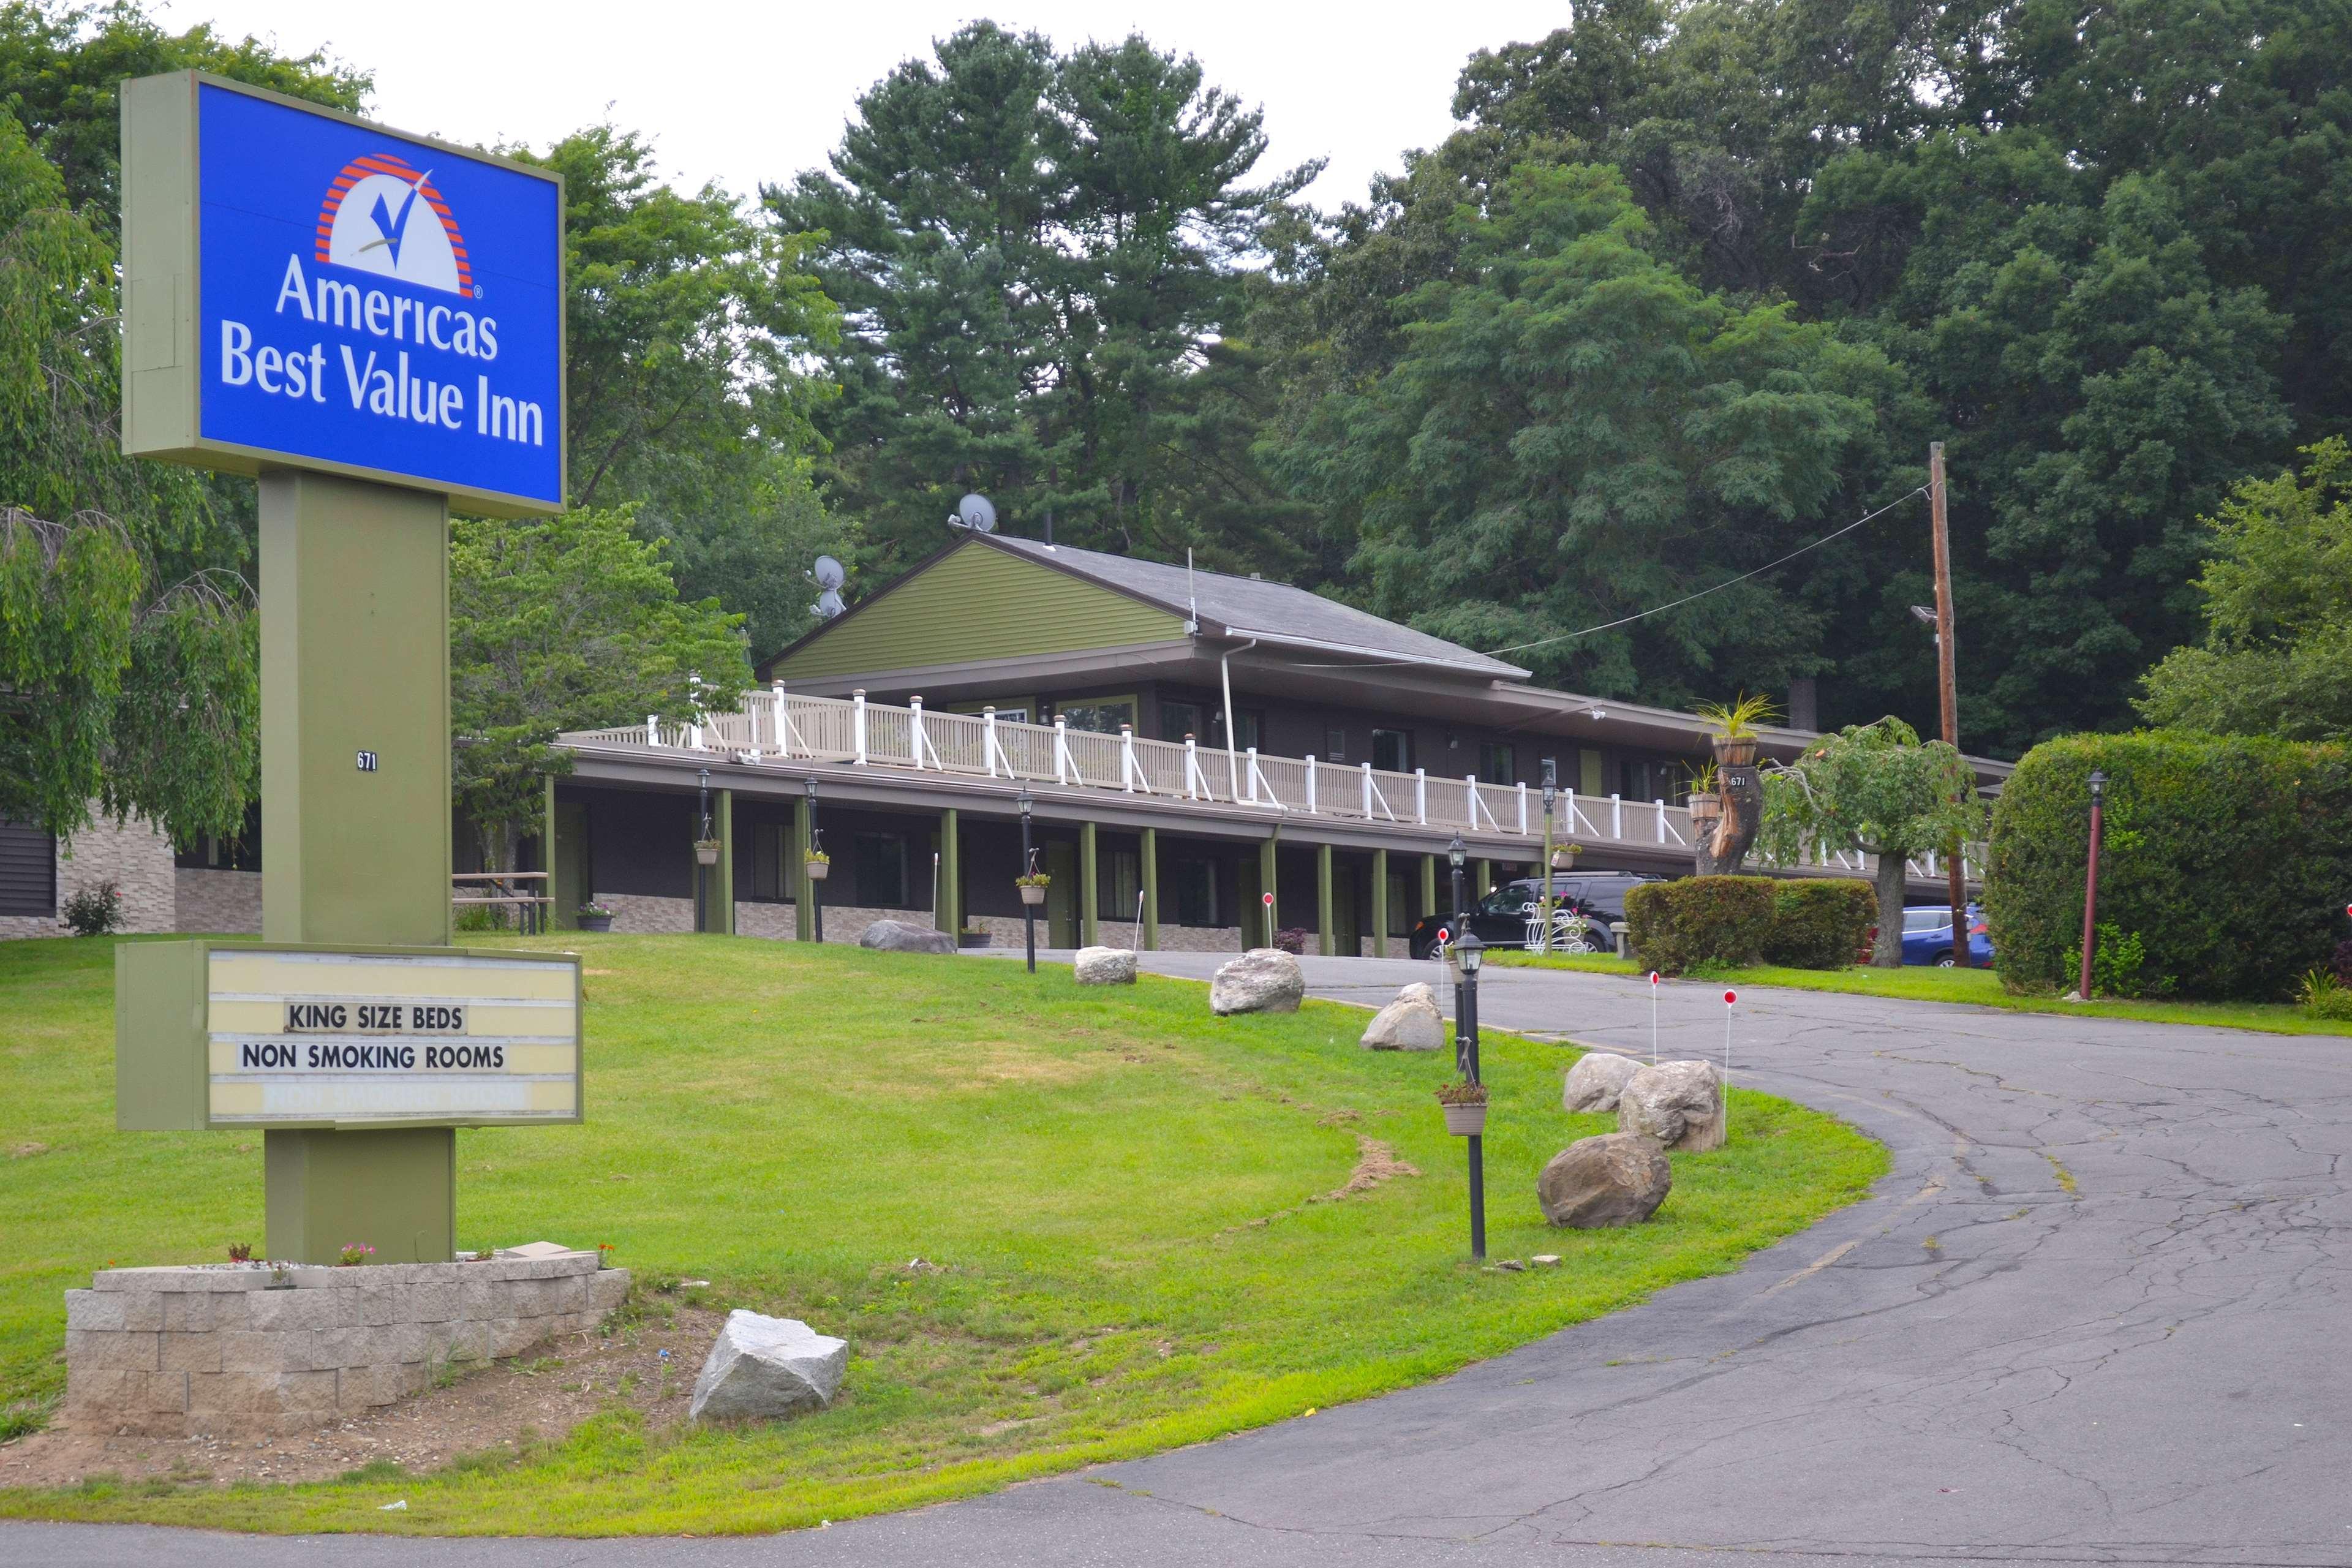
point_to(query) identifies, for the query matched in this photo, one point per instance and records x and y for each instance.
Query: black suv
(1501, 918)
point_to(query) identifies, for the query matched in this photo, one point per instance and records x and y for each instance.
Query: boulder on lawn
(1596, 1080)
(763, 1367)
(900, 936)
(1411, 1022)
(1263, 980)
(1616, 1178)
(1680, 1104)
(1104, 966)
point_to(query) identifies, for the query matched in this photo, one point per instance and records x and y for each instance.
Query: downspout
(1232, 720)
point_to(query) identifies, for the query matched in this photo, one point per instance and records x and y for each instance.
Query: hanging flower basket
(706, 851)
(817, 869)
(1033, 887)
(1563, 856)
(1466, 1121)
(1033, 895)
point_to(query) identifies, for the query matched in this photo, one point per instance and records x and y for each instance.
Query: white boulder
(903, 936)
(763, 1367)
(1104, 966)
(1596, 1080)
(1411, 1022)
(1614, 1179)
(1263, 980)
(1679, 1104)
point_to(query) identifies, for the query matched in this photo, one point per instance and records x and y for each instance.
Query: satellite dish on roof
(828, 574)
(828, 604)
(975, 512)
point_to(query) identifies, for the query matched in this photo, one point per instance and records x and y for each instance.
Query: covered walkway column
(1327, 938)
(1089, 892)
(1149, 853)
(949, 916)
(717, 882)
(804, 925)
(1380, 903)
(1269, 896)
(1428, 886)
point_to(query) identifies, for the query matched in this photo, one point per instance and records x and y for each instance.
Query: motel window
(1335, 745)
(1178, 720)
(212, 853)
(881, 871)
(771, 846)
(28, 871)
(1393, 751)
(1634, 780)
(1104, 717)
(1250, 732)
(1194, 885)
(1496, 764)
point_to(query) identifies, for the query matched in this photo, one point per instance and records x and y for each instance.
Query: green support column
(1380, 903)
(1485, 877)
(1326, 940)
(949, 916)
(1266, 916)
(803, 923)
(1428, 888)
(1090, 889)
(354, 671)
(547, 913)
(1149, 856)
(722, 875)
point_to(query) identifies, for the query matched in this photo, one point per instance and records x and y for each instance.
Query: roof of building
(1247, 607)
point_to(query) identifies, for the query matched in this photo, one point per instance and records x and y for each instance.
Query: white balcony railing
(777, 725)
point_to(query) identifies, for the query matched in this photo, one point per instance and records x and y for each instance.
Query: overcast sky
(741, 93)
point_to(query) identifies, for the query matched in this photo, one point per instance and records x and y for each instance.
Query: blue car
(1928, 936)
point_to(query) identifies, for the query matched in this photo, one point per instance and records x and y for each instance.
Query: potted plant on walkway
(1033, 887)
(706, 851)
(594, 916)
(974, 934)
(818, 864)
(1464, 1104)
(1735, 723)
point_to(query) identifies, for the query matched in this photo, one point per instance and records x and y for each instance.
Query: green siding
(977, 603)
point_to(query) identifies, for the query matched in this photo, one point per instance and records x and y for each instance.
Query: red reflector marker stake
(1728, 998)
(1654, 1017)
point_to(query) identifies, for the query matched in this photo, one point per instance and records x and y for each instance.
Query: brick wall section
(213, 1351)
(220, 903)
(136, 858)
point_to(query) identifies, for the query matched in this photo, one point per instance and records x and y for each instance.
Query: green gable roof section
(975, 602)
(992, 597)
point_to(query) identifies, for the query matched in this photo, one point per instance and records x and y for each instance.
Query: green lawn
(1131, 1201)
(1974, 987)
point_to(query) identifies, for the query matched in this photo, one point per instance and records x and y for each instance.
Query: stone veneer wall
(213, 1349)
(220, 902)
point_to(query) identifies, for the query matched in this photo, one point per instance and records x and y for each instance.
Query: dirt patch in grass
(507, 1405)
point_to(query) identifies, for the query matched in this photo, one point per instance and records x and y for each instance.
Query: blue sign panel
(378, 302)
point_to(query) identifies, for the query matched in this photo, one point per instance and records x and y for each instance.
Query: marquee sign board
(305, 290)
(237, 1034)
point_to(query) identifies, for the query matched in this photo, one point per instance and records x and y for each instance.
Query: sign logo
(382, 216)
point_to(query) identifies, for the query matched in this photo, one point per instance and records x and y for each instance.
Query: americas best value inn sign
(346, 298)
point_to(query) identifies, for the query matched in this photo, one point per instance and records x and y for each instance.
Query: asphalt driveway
(2100, 1311)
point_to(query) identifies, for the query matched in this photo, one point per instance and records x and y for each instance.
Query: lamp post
(701, 836)
(1550, 793)
(1471, 953)
(2091, 884)
(1454, 852)
(1028, 868)
(815, 885)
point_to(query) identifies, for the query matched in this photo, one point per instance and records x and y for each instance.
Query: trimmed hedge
(1700, 920)
(1821, 923)
(2229, 858)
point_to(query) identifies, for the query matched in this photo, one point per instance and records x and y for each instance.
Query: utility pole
(1948, 690)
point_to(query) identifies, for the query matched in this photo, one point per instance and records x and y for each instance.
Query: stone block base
(244, 1348)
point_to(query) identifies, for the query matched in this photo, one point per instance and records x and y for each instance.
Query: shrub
(2119, 966)
(2324, 996)
(1700, 920)
(2343, 966)
(1292, 939)
(2226, 856)
(94, 910)
(1821, 923)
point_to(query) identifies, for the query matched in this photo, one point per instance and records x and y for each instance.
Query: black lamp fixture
(1028, 868)
(1471, 954)
(816, 887)
(1456, 852)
